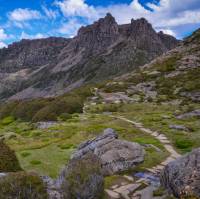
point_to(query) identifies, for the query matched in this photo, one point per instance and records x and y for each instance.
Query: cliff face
(52, 66)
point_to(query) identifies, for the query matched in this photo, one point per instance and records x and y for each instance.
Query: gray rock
(182, 176)
(195, 113)
(45, 125)
(53, 188)
(116, 155)
(179, 127)
(2, 174)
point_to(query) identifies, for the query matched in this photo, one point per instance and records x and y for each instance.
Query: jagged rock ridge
(52, 66)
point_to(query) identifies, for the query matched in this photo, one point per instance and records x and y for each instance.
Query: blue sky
(30, 19)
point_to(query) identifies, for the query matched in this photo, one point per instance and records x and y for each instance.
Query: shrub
(7, 120)
(22, 185)
(25, 154)
(25, 110)
(185, 144)
(35, 162)
(6, 109)
(67, 146)
(65, 116)
(46, 109)
(83, 179)
(8, 159)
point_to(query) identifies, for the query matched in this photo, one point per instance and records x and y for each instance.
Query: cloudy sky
(31, 19)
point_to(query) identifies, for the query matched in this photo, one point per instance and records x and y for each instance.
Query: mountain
(53, 66)
(173, 77)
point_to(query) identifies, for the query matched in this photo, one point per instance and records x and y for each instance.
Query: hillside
(53, 66)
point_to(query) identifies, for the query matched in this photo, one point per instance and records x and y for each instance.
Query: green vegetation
(83, 178)
(22, 184)
(8, 160)
(52, 147)
(167, 65)
(159, 117)
(45, 109)
(159, 192)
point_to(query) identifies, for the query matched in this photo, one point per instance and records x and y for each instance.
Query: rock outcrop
(53, 66)
(195, 113)
(182, 177)
(115, 155)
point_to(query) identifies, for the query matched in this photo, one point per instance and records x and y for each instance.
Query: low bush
(35, 162)
(25, 154)
(7, 120)
(83, 179)
(46, 109)
(22, 185)
(8, 159)
(184, 144)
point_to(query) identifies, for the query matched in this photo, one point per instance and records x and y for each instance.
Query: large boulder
(22, 185)
(8, 159)
(82, 179)
(115, 155)
(182, 176)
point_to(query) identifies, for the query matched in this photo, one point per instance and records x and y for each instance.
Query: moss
(8, 159)
(22, 185)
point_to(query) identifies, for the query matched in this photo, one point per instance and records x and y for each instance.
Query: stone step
(112, 194)
(130, 178)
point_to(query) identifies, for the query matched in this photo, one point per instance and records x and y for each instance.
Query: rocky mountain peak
(99, 35)
(104, 49)
(103, 25)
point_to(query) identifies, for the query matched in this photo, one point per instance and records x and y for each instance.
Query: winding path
(126, 189)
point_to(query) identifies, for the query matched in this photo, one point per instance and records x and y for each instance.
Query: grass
(160, 117)
(46, 151)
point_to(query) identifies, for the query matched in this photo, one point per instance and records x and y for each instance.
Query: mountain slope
(172, 76)
(53, 66)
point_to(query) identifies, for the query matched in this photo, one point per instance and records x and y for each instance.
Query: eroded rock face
(182, 177)
(115, 155)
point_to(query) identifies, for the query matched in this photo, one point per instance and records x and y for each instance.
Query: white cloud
(77, 8)
(168, 31)
(51, 14)
(2, 44)
(70, 28)
(26, 14)
(3, 35)
(28, 36)
(167, 14)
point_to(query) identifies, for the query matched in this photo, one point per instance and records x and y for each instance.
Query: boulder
(195, 113)
(182, 176)
(82, 178)
(179, 127)
(115, 155)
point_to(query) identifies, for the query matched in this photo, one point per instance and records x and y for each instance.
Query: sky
(32, 19)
